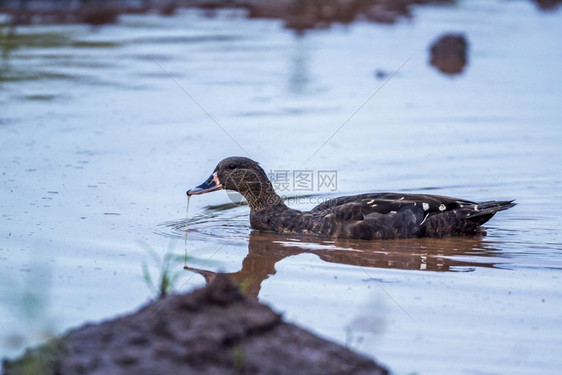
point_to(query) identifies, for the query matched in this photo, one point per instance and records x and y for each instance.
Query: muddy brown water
(99, 145)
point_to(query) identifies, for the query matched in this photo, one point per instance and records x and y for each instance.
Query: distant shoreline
(297, 15)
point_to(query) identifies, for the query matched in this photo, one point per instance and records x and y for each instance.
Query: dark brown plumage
(365, 216)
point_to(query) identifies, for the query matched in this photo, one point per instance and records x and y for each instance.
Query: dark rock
(449, 53)
(214, 330)
(548, 4)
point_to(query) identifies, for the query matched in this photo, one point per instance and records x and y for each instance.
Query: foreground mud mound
(214, 330)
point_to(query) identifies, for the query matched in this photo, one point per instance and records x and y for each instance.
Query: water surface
(98, 146)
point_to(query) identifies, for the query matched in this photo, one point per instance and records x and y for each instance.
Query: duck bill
(211, 184)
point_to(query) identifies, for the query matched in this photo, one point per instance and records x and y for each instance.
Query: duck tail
(484, 211)
(491, 207)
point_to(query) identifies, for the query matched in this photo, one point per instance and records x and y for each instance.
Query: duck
(369, 216)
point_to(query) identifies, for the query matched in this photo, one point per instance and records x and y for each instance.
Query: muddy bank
(303, 15)
(211, 330)
(298, 15)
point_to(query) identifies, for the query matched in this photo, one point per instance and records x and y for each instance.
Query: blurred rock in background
(449, 53)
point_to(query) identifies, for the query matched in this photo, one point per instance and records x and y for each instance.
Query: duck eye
(232, 166)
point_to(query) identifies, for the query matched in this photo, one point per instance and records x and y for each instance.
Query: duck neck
(273, 215)
(263, 198)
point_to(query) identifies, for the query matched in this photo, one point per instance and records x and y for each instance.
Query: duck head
(242, 175)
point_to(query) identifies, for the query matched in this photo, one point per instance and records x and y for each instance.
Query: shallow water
(99, 145)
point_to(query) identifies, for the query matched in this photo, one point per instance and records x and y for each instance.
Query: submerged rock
(449, 53)
(214, 330)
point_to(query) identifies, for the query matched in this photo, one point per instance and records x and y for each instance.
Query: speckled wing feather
(393, 215)
(386, 202)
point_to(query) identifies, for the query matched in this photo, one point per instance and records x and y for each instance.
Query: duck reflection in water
(265, 250)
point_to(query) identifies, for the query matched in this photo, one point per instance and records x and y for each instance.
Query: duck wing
(394, 215)
(355, 207)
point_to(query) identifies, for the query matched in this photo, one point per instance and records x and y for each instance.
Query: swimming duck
(366, 216)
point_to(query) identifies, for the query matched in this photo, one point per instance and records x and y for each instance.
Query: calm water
(98, 146)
